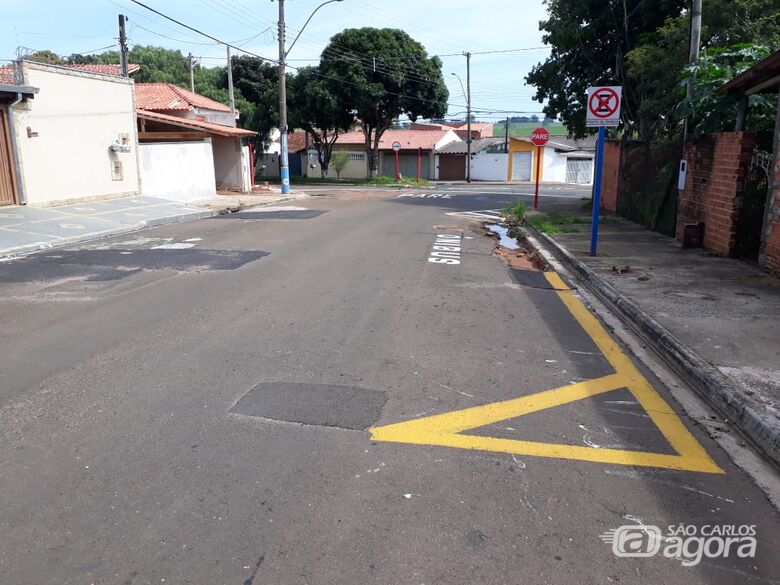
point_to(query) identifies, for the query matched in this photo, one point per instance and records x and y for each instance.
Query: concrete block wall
(716, 167)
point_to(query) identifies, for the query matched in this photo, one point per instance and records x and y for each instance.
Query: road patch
(448, 429)
(327, 405)
(273, 214)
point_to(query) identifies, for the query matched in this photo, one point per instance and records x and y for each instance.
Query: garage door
(579, 170)
(407, 165)
(452, 167)
(7, 194)
(521, 166)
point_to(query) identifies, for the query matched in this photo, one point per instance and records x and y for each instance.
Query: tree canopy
(318, 107)
(383, 74)
(590, 40)
(643, 46)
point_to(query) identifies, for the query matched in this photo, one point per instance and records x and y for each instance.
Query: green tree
(159, 65)
(712, 111)
(45, 56)
(383, 74)
(657, 63)
(590, 40)
(258, 84)
(339, 161)
(317, 107)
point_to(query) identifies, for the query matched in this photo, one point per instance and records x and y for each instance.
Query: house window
(357, 156)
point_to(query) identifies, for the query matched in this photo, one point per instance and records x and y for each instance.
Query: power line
(172, 39)
(239, 49)
(497, 51)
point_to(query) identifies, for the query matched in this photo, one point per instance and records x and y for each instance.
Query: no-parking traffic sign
(603, 106)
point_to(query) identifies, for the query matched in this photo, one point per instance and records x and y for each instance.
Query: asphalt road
(217, 402)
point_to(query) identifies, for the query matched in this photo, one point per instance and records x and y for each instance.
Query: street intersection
(354, 389)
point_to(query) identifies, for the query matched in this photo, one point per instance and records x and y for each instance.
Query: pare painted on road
(446, 249)
(425, 195)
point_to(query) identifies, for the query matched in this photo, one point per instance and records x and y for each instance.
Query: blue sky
(443, 26)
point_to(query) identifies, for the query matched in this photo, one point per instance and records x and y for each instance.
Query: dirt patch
(520, 259)
(525, 257)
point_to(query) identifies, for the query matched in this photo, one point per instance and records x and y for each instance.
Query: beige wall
(227, 163)
(73, 121)
(355, 169)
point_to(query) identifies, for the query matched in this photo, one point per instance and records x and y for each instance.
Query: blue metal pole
(594, 234)
(284, 169)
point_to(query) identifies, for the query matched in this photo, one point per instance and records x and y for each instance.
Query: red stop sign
(540, 136)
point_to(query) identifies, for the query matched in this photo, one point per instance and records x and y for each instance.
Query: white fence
(180, 171)
(489, 167)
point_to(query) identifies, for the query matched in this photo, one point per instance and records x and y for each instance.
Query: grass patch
(381, 180)
(306, 180)
(556, 223)
(390, 181)
(514, 214)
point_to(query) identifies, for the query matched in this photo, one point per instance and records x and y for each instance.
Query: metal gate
(7, 187)
(452, 167)
(521, 166)
(579, 170)
(752, 206)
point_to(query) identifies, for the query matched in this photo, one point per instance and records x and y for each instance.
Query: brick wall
(716, 166)
(610, 176)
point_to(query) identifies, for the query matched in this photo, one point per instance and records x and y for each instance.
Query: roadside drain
(345, 407)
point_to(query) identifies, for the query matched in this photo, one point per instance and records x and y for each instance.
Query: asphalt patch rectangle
(296, 214)
(345, 407)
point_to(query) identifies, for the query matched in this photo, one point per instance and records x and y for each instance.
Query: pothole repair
(325, 405)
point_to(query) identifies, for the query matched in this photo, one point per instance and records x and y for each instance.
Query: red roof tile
(104, 68)
(7, 74)
(167, 96)
(296, 141)
(211, 128)
(409, 139)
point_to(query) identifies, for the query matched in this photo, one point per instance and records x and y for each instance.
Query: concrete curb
(725, 396)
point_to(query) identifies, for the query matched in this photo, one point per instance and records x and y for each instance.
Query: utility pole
(284, 163)
(230, 85)
(123, 45)
(468, 117)
(506, 135)
(693, 53)
(192, 74)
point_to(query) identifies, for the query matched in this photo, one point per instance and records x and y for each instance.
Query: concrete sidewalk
(716, 320)
(26, 229)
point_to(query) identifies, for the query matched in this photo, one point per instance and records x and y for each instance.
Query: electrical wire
(239, 49)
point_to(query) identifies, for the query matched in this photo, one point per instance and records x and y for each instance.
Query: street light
(467, 95)
(462, 88)
(284, 169)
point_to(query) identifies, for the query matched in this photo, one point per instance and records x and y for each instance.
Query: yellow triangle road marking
(447, 429)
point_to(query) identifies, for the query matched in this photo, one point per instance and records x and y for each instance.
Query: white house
(174, 123)
(563, 160)
(76, 140)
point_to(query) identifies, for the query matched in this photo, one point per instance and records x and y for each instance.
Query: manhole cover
(346, 407)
